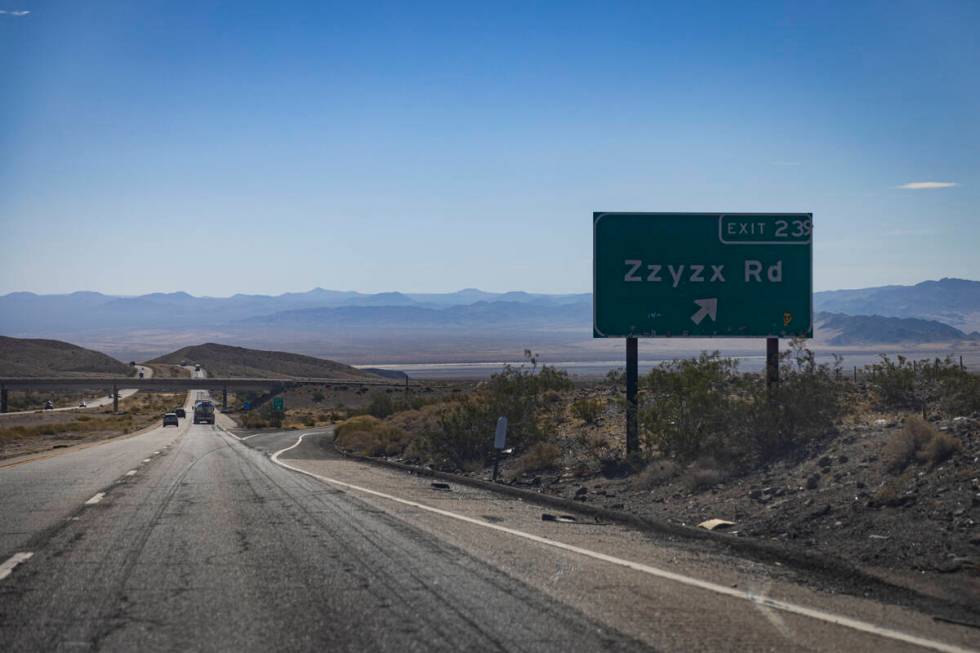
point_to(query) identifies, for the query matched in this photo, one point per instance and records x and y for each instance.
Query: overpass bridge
(116, 383)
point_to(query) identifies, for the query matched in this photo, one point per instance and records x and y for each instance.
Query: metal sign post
(632, 378)
(700, 275)
(499, 443)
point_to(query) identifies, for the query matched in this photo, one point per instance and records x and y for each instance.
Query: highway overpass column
(224, 397)
(3, 399)
(115, 398)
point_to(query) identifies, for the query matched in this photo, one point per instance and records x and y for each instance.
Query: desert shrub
(703, 474)
(616, 377)
(888, 494)
(694, 406)
(587, 410)
(541, 456)
(939, 449)
(704, 407)
(466, 427)
(805, 404)
(380, 406)
(309, 420)
(917, 441)
(369, 436)
(657, 473)
(920, 385)
(317, 397)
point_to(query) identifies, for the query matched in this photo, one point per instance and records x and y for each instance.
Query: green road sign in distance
(277, 404)
(702, 275)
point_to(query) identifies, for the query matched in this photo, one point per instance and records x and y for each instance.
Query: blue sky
(222, 147)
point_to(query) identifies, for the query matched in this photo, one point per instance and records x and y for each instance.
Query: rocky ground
(919, 527)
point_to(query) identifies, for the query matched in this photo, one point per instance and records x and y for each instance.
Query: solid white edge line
(8, 566)
(94, 500)
(785, 606)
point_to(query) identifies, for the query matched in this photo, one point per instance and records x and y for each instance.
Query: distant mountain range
(840, 329)
(952, 301)
(430, 326)
(28, 313)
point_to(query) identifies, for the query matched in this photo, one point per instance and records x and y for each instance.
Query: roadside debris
(716, 524)
(440, 486)
(559, 518)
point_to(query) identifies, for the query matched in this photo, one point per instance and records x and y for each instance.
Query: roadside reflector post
(772, 363)
(115, 398)
(632, 425)
(3, 399)
(224, 397)
(499, 443)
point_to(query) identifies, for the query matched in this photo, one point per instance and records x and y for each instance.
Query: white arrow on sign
(709, 308)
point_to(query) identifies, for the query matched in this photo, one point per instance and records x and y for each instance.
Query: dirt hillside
(223, 360)
(31, 357)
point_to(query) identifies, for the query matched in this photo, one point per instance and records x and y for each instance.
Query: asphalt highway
(261, 542)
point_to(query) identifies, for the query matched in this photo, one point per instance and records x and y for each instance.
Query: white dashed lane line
(12, 562)
(94, 500)
(131, 472)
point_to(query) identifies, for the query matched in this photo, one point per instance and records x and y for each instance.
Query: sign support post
(772, 363)
(632, 426)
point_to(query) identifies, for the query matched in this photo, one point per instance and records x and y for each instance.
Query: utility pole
(115, 398)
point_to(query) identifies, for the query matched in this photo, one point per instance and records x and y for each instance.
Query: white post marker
(500, 438)
(499, 442)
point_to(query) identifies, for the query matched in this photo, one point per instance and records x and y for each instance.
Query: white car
(82, 404)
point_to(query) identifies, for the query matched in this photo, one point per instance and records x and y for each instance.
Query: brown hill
(223, 360)
(32, 357)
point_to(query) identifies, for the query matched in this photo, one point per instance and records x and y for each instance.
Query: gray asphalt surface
(212, 547)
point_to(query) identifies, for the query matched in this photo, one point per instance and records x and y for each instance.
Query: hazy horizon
(405, 292)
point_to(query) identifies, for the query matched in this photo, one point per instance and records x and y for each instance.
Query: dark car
(181, 412)
(48, 405)
(171, 418)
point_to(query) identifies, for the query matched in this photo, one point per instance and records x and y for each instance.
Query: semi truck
(204, 412)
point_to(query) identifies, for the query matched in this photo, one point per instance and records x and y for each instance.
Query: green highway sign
(689, 275)
(278, 404)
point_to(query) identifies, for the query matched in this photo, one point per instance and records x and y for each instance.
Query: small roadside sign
(499, 442)
(278, 404)
(247, 405)
(500, 437)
